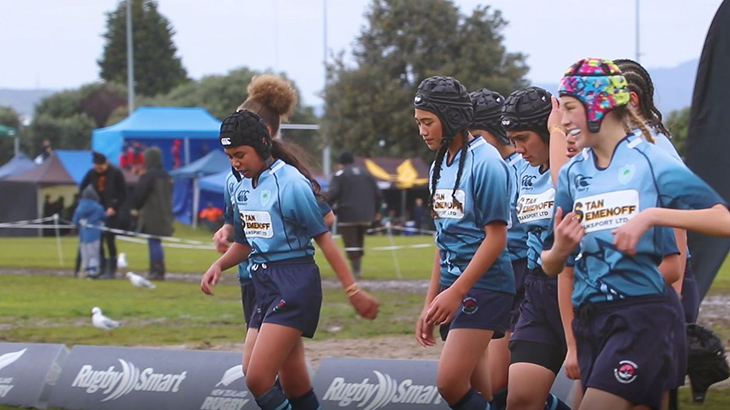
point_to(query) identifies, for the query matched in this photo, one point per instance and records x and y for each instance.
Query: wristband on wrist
(352, 290)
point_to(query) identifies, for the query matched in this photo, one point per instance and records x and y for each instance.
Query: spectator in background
(135, 158)
(46, 151)
(108, 183)
(356, 198)
(87, 216)
(419, 215)
(152, 204)
(211, 217)
(176, 154)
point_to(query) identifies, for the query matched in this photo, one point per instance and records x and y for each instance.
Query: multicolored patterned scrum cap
(599, 85)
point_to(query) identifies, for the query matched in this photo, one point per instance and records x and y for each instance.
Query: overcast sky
(55, 43)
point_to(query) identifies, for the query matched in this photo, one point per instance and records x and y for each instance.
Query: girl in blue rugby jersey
(616, 197)
(538, 343)
(472, 284)
(273, 99)
(278, 215)
(487, 124)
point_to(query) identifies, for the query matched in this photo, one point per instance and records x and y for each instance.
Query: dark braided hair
(449, 100)
(640, 82)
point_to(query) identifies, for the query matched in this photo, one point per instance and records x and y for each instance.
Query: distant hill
(23, 101)
(673, 86)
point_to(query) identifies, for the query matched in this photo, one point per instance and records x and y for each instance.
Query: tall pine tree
(156, 68)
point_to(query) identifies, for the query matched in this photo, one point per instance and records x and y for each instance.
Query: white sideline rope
(140, 238)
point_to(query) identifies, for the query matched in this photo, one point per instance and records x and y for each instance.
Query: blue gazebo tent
(161, 126)
(17, 165)
(186, 179)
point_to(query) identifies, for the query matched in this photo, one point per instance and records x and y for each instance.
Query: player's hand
(568, 231)
(627, 236)
(110, 212)
(220, 239)
(365, 305)
(556, 116)
(443, 308)
(210, 278)
(424, 331)
(571, 364)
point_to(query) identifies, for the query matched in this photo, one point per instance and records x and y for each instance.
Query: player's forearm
(435, 283)
(565, 304)
(237, 253)
(485, 256)
(713, 221)
(335, 258)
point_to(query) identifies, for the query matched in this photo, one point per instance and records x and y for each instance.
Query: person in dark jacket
(92, 213)
(108, 183)
(356, 198)
(152, 204)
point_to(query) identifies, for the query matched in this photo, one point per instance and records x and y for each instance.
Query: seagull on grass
(102, 322)
(139, 281)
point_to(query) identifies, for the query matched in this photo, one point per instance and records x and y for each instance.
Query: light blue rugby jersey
(640, 176)
(663, 142)
(483, 192)
(535, 210)
(516, 234)
(280, 216)
(229, 195)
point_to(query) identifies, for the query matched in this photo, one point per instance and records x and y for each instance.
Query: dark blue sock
(472, 400)
(273, 399)
(308, 401)
(499, 400)
(554, 403)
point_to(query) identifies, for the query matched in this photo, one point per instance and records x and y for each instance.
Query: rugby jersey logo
(531, 208)
(626, 173)
(607, 211)
(445, 206)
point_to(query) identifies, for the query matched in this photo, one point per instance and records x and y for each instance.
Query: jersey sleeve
(239, 233)
(564, 200)
(303, 208)
(679, 187)
(491, 193)
(228, 208)
(324, 207)
(668, 241)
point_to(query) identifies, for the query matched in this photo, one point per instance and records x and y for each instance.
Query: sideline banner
(372, 384)
(28, 371)
(132, 378)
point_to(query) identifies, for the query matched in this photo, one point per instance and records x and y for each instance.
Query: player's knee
(448, 388)
(258, 384)
(519, 399)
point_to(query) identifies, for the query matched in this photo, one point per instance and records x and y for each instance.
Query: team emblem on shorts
(626, 173)
(626, 371)
(469, 306)
(280, 306)
(265, 196)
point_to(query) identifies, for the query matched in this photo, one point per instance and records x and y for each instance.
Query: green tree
(10, 118)
(67, 118)
(678, 124)
(403, 43)
(156, 67)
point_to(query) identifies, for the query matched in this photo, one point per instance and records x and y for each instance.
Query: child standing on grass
(92, 214)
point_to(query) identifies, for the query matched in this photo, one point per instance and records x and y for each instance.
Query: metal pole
(326, 152)
(130, 60)
(16, 144)
(638, 34)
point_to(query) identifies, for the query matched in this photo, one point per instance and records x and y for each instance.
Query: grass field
(415, 263)
(56, 309)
